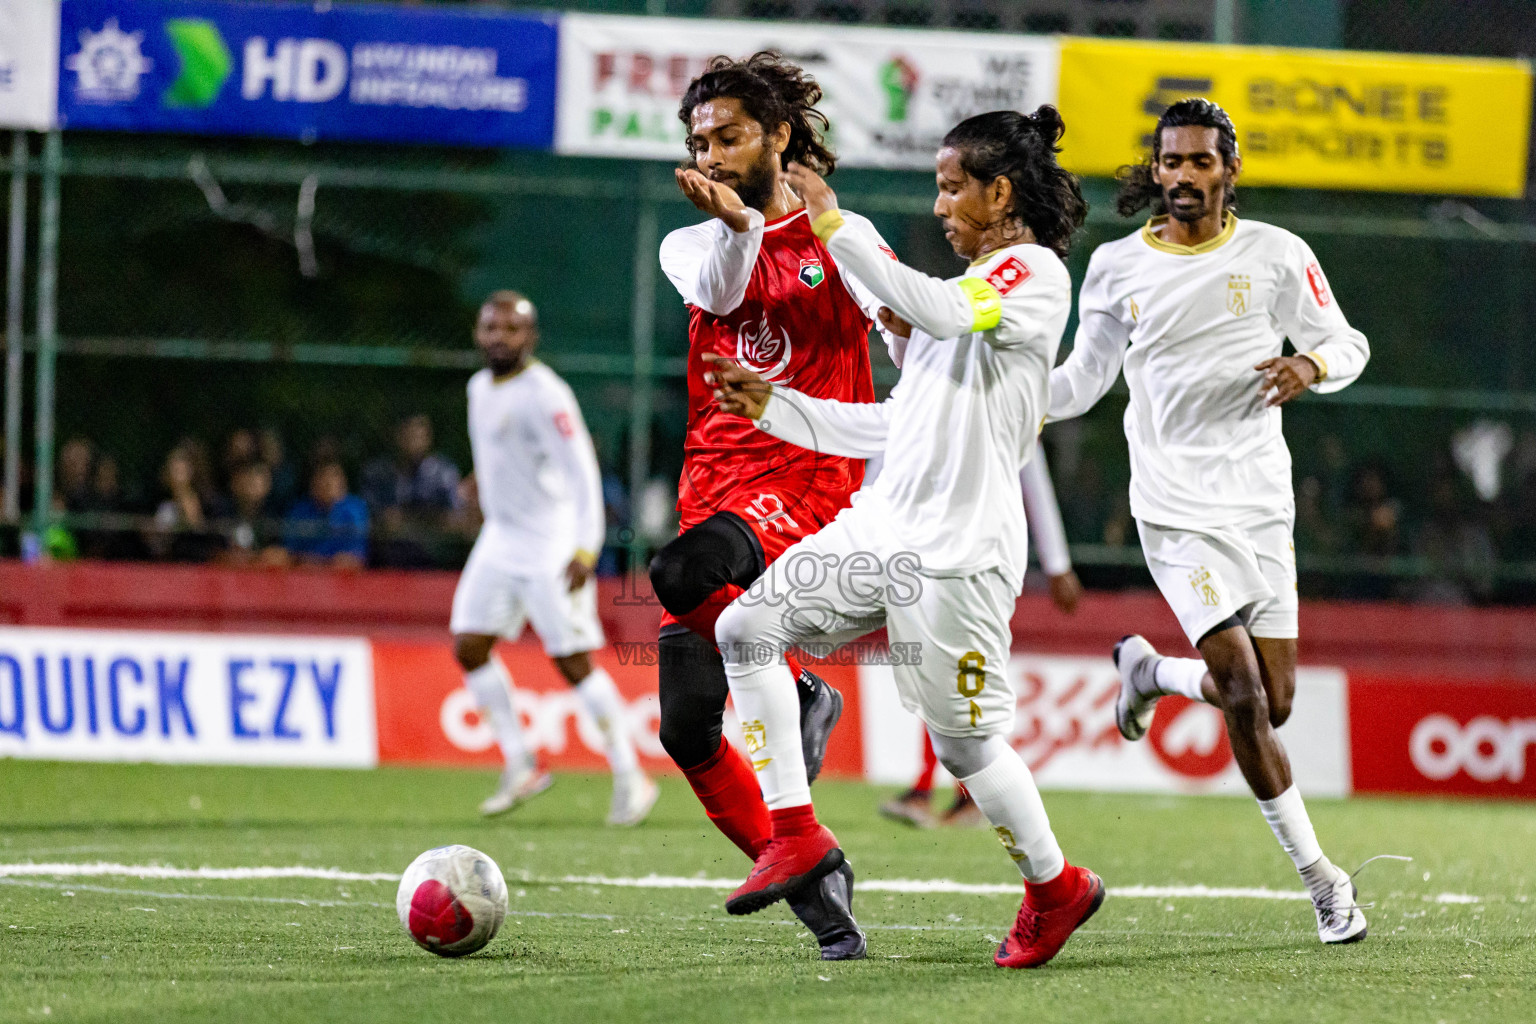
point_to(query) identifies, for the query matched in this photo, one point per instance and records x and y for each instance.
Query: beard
(755, 185)
(1186, 214)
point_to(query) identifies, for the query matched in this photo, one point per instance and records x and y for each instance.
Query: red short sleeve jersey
(799, 326)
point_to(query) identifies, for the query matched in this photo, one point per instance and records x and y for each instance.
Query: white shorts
(490, 601)
(1207, 576)
(949, 636)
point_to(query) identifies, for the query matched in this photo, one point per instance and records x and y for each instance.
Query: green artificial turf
(117, 948)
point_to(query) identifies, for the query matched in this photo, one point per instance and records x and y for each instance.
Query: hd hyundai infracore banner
(308, 71)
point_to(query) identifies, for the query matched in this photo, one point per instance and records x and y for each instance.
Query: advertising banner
(97, 695)
(1065, 730)
(1435, 736)
(308, 71)
(426, 716)
(29, 69)
(1309, 118)
(890, 94)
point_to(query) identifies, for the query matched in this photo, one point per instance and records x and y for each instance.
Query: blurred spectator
(1460, 553)
(181, 531)
(285, 479)
(108, 539)
(328, 526)
(77, 460)
(239, 449)
(249, 520)
(1373, 517)
(412, 496)
(1317, 531)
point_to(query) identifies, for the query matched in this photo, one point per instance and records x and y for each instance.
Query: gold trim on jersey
(1149, 235)
(1319, 362)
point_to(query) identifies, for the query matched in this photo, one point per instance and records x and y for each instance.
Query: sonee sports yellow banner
(1310, 118)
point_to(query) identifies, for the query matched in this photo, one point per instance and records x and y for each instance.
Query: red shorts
(779, 511)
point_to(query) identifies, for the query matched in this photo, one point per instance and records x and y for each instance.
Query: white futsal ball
(452, 899)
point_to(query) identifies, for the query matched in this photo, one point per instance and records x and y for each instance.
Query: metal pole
(16, 257)
(47, 327)
(642, 317)
(1224, 21)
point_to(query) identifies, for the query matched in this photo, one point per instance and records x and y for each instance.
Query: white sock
(1181, 676)
(769, 710)
(602, 701)
(492, 686)
(1005, 791)
(1287, 817)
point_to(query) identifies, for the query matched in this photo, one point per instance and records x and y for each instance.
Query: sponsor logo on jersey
(1319, 284)
(763, 349)
(768, 510)
(888, 251)
(1239, 289)
(1008, 275)
(563, 424)
(811, 273)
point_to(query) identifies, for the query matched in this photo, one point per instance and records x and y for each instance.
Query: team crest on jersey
(1319, 284)
(811, 273)
(1239, 291)
(1200, 581)
(764, 349)
(1008, 275)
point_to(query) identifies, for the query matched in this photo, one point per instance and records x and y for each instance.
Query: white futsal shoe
(518, 785)
(1136, 659)
(634, 794)
(1339, 918)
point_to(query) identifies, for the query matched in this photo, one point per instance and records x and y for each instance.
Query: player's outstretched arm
(1098, 349)
(711, 264)
(1050, 536)
(569, 446)
(943, 309)
(1331, 353)
(854, 430)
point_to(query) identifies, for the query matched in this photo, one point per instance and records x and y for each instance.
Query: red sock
(1059, 890)
(924, 783)
(794, 821)
(727, 787)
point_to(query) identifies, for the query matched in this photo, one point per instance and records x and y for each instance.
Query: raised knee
(1244, 702)
(1279, 711)
(676, 583)
(472, 651)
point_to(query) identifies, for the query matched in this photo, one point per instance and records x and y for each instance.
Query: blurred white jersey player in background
(541, 493)
(1196, 306)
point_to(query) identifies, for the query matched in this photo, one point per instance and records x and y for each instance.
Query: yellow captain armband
(986, 303)
(825, 226)
(585, 557)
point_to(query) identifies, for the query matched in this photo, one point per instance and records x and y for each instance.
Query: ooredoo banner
(29, 68)
(1065, 730)
(1441, 736)
(1309, 118)
(890, 94)
(308, 71)
(98, 695)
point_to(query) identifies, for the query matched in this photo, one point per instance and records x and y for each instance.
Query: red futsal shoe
(789, 865)
(1039, 932)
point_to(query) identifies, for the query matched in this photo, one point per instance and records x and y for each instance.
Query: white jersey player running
(541, 493)
(935, 549)
(1195, 307)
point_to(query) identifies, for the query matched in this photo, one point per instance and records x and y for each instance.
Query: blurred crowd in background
(1461, 532)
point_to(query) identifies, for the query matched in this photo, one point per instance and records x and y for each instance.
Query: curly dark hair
(1137, 188)
(772, 92)
(1023, 148)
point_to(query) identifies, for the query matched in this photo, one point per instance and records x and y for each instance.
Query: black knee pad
(693, 690)
(720, 550)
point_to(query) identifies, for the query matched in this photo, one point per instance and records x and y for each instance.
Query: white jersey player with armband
(540, 490)
(935, 549)
(1194, 308)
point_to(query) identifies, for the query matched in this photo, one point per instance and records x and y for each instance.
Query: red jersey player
(763, 290)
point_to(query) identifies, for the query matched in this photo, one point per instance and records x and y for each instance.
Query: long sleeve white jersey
(536, 471)
(963, 418)
(1188, 324)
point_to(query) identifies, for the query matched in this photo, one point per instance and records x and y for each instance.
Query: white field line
(893, 885)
